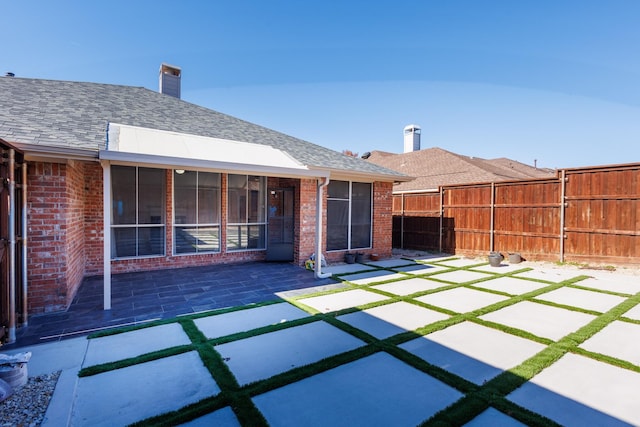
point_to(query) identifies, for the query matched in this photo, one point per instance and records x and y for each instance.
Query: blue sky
(554, 81)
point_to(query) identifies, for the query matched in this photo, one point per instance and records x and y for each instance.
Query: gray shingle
(64, 114)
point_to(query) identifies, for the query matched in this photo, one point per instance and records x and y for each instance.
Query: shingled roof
(434, 167)
(50, 114)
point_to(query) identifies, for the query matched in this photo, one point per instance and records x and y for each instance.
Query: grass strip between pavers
(476, 399)
(125, 363)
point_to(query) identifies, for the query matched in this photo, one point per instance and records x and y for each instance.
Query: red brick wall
(65, 221)
(74, 227)
(56, 249)
(93, 219)
(382, 218)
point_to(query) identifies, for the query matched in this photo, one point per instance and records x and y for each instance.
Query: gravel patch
(28, 404)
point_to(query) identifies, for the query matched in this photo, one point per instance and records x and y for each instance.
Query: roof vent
(170, 80)
(10, 74)
(411, 138)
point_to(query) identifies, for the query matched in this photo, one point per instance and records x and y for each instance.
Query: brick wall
(47, 229)
(382, 218)
(93, 219)
(65, 221)
(74, 227)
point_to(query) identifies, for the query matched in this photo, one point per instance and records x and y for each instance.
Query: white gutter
(318, 264)
(164, 162)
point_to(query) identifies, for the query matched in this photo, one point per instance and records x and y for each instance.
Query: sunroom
(173, 199)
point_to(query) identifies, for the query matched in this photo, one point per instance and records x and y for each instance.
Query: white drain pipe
(319, 211)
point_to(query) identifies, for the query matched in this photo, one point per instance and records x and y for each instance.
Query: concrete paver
(410, 286)
(263, 356)
(376, 390)
(623, 284)
(633, 313)
(493, 417)
(555, 275)
(135, 343)
(391, 319)
(578, 391)
(473, 352)
(245, 320)
(588, 300)
(618, 339)
(141, 391)
(461, 300)
(372, 277)
(342, 300)
(421, 269)
(462, 262)
(391, 263)
(54, 356)
(503, 268)
(347, 268)
(541, 320)
(461, 276)
(221, 417)
(511, 285)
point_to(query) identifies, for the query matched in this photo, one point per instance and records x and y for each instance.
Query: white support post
(106, 233)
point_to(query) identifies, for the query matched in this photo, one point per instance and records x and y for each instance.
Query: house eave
(136, 159)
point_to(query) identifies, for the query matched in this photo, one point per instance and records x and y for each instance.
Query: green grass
(477, 398)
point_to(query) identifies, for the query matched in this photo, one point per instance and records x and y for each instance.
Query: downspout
(25, 305)
(106, 233)
(12, 247)
(319, 211)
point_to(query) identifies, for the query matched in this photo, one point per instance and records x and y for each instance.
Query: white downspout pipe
(106, 233)
(12, 247)
(319, 211)
(25, 305)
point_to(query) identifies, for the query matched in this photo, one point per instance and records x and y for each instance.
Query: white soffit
(153, 146)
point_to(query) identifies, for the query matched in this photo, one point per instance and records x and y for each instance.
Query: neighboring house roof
(434, 167)
(48, 115)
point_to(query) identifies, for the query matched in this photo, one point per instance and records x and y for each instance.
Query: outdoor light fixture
(179, 171)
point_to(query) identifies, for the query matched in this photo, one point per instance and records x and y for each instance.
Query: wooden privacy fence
(583, 215)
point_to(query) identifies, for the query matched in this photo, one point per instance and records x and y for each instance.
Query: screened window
(246, 210)
(349, 210)
(138, 212)
(196, 204)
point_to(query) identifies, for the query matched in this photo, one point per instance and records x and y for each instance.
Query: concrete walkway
(402, 341)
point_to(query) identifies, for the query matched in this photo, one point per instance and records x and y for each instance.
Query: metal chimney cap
(412, 128)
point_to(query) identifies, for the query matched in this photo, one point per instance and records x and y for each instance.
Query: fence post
(563, 185)
(493, 202)
(402, 221)
(441, 219)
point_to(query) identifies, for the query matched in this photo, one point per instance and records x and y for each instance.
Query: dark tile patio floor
(145, 296)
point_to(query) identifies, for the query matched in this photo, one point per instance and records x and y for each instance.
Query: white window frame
(197, 224)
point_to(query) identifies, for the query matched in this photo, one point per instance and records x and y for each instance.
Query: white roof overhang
(157, 148)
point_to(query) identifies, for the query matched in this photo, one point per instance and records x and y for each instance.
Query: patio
(399, 342)
(147, 296)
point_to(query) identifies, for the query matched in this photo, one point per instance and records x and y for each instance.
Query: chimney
(170, 80)
(411, 138)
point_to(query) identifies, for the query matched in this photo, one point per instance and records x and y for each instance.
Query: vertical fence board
(602, 217)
